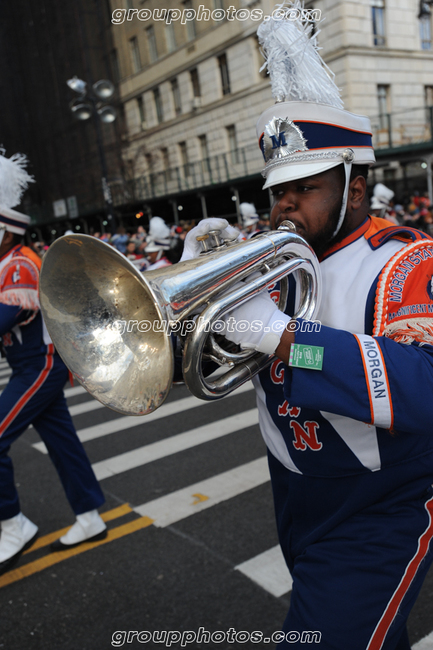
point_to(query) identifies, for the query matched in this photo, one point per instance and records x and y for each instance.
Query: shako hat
(249, 214)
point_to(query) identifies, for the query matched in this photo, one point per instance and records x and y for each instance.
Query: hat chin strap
(2, 233)
(347, 171)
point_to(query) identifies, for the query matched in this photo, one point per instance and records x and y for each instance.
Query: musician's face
(313, 204)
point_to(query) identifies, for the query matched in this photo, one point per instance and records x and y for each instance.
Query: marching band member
(155, 252)
(345, 408)
(380, 203)
(157, 244)
(34, 394)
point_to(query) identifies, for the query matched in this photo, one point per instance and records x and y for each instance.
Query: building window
(176, 96)
(158, 105)
(114, 62)
(149, 162)
(383, 102)
(165, 158)
(428, 98)
(141, 113)
(184, 158)
(204, 151)
(169, 34)
(203, 147)
(108, 8)
(425, 30)
(195, 82)
(378, 18)
(233, 145)
(224, 71)
(190, 24)
(166, 163)
(135, 54)
(389, 175)
(151, 41)
(218, 13)
(312, 18)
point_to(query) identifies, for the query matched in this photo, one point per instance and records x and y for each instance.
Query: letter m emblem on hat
(281, 138)
(281, 142)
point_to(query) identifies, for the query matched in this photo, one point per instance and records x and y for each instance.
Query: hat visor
(250, 222)
(293, 171)
(377, 205)
(14, 221)
(152, 248)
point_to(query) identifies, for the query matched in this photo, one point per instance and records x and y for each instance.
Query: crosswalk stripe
(166, 409)
(75, 390)
(269, 570)
(424, 644)
(128, 421)
(85, 407)
(69, 392)
(174, 444)
(205, 494)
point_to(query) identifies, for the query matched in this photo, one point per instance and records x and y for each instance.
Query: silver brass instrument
(112, 324)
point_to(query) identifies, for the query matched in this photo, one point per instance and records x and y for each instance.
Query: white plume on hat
(294, 64)
(382, 195)
(158, 229)
(249, 214)
(14, 180)
(158, 239)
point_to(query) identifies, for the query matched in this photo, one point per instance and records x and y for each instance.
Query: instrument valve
(211, 241)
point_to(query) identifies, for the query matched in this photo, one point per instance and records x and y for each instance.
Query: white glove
(192, 248)
(257, 324)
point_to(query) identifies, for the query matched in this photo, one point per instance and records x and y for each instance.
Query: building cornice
(382, 52)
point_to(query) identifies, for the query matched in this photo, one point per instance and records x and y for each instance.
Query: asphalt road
(191, 559)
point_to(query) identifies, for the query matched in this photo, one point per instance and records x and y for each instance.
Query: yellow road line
(120, 511)
(54, 558)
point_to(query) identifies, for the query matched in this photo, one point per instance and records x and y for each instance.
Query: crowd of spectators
(158, 244)
(417, 212)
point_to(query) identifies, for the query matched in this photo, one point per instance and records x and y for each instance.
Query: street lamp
(91, 103)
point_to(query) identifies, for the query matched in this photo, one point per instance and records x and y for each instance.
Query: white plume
(296, 69)
(158, 229)
(13, 178)
(248, 210)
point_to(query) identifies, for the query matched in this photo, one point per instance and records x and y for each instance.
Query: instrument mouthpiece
(287, 225)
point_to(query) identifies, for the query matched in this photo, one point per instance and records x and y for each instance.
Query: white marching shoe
(17, 534)
(89, 527)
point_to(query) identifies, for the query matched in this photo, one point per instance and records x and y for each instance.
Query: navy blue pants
(358, 549)
(34, 395)
(357, 585)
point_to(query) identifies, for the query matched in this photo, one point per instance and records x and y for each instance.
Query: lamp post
(91, 103)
